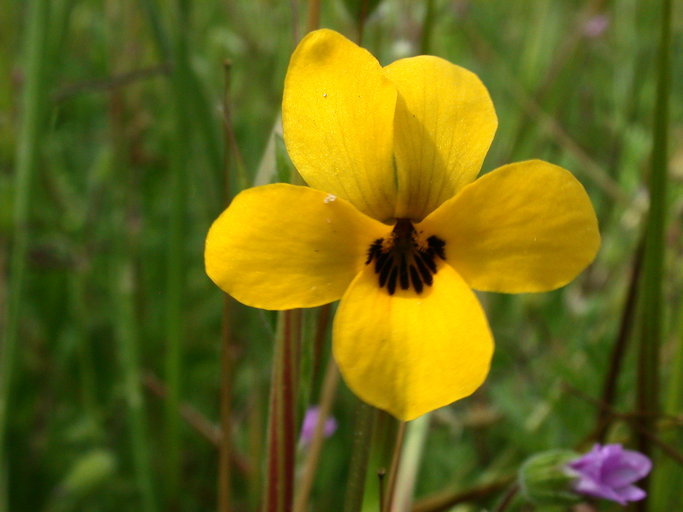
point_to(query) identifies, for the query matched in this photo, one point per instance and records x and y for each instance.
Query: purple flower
(609, 472)
(310, 420)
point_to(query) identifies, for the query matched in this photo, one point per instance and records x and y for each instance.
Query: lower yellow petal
(525, 227)
(409, 354)
(282, 246)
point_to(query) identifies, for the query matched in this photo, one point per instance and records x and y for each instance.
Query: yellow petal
(337, 115)
(525, 227)
(282, 246)
(409, 354)
(444, 125)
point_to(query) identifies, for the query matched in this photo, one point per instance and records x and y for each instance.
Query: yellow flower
(395, 225)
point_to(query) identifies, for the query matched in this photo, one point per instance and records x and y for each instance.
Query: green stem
(413, 449)
(86, 363)
(225, 448)
(427, 29)
(652, 300)
(176, 52)
(652, 332)
(360, 455)
(618, 352)
(34, 107)
(124, 256)
(382, 451)
(305, 484)
(127, 343)
(175, 260)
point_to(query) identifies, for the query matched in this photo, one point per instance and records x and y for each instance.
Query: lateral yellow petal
(525, 227)
(409, 354)
(443, 127)
(282, 246)
(337, 116)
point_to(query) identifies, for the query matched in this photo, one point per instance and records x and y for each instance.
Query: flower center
(404, 259)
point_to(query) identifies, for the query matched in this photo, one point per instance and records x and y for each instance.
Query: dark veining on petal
(403, 260)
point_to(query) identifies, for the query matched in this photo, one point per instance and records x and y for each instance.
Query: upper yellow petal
(409, 354)
(282, 246)
(525, 227)
(337, 115)
(443, 127)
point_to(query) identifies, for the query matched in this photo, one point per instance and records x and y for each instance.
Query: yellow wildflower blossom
(395, 225)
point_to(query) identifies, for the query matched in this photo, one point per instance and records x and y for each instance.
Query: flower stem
(279, 495)
(360, 455)
(33, 112)
(390, 487)
(382, 453)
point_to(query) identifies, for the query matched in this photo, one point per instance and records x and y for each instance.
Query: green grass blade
(653, 270)
(127, 338)
(175, 269)
(652, 335)
(34, 108)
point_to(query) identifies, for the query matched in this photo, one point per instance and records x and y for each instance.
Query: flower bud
(545, 478)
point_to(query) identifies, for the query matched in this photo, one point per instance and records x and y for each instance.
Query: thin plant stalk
(327, 395)
(231, 148)
(279, 494)
(175, 260)
(86, 367)
(669, 477)
(390, 488)
(653, 267)
(360, 456)
(412, 451)
(313, 17)
(618, 353)
(427, 28)
(509, 498)
(319, 338)
(33, 114)
(225, 448)
(124, 282)
(382, 451)
(360, 22)
(127, 341)
(652, 334)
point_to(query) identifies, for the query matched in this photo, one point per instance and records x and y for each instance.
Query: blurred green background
(112, 168)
